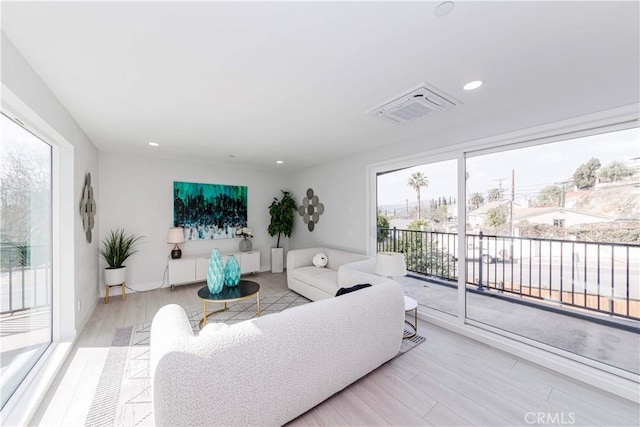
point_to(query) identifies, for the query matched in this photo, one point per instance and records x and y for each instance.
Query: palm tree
(417, 181)
(495, 194)
(476, 200)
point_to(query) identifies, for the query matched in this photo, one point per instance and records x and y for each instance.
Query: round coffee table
(245, 289)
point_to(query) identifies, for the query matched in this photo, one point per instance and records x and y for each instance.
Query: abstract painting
(209, 211)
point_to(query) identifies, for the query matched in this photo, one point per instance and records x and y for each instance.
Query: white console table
(194, 269)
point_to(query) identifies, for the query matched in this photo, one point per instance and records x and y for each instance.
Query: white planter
(115, 276)
(277, 260)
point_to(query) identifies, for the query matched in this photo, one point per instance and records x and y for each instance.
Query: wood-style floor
(449, 380)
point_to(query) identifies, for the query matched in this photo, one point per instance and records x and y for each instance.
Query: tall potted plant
(116, 248)
(282, 214)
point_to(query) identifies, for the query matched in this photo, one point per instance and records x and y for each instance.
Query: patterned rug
(123, 394)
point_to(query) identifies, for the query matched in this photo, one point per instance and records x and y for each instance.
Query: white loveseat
(343, 269)
(270, 370)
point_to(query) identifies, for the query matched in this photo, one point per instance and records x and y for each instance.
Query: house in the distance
(557, 216)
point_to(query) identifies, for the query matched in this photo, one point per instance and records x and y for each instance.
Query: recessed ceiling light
(472, 85)
(443, 9)
(154, 144)
(279, 162)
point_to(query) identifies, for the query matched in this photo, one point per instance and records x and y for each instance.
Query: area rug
(123, 394)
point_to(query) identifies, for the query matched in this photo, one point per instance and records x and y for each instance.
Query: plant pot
(115, 276)
(245, 245)
(277, 260)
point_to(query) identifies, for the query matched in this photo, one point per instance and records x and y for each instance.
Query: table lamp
(175, 236)
(390, 264)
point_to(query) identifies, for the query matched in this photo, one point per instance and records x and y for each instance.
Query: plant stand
(106, 295)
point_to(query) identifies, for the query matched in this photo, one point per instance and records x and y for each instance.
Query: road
(537, 272)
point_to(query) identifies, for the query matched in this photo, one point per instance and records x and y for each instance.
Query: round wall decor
(88, 207)
(311, 209)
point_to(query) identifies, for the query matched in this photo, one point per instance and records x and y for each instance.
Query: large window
(418, 216)
(556, 226)
(25, 253)
(550, 251)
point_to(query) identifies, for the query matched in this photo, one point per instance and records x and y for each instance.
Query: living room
(226, 90)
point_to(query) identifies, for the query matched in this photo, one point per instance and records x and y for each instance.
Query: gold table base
(203, 321)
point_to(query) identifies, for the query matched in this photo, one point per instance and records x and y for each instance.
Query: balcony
(582, 297)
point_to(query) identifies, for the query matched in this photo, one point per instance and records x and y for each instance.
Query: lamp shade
(176, 235)
(390, 264)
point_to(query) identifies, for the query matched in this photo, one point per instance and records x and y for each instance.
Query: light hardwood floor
(449, 380)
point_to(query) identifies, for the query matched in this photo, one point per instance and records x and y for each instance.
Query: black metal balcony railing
(593, 276)
(25, 277)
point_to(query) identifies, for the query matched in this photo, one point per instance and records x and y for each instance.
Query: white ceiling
(291, 81)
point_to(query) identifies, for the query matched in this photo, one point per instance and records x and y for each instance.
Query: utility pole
(500, 181)
(513, 196)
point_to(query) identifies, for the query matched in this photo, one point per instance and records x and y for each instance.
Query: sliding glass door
(549, 251)
(25, 253)
(553, 244)
(418, 216)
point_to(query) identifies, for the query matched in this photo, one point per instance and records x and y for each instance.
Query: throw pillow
(320, 260)
(353, 288)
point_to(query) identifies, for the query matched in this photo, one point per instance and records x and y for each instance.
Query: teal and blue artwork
(209, 211)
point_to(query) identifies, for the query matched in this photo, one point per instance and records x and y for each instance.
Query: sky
(534, 168)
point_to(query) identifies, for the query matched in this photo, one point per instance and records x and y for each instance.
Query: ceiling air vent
(413, 105)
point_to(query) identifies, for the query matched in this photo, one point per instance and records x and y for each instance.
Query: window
(583, 262)
(550, 247)
(25, 257)
(418, 216)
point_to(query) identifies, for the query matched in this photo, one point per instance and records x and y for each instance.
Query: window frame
(621, 118)
(23, 403)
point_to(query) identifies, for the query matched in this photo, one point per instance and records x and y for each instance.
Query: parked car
(490, 253)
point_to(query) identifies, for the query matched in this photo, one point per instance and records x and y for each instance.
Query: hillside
(617, 201)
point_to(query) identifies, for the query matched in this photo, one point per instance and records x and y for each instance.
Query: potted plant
(245, 243)
(282, 214)
(116, 248)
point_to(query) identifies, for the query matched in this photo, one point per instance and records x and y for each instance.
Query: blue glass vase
(231, 271)
(215, 274)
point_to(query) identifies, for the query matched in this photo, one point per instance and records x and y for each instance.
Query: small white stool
(411, 304)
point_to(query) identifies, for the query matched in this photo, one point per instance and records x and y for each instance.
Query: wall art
(88, 207)
(311, 209)
(209, 211)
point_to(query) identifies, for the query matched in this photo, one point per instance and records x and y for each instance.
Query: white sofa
(270, 370)
(343, 269)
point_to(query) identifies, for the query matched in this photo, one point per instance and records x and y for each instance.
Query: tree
(496, 216)
(551, 195)
(439, 214)
(417, 181)
(417, 224)
(585, 176)
(382, 224)
(495, 194)
(282, 214)
(25, 193)
(615, 171)
(476, 200)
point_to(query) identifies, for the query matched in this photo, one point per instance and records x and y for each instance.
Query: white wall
(137, 194)
(22, 80)
(340, 186)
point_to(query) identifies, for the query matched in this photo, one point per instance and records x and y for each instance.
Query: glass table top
(245, 289)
